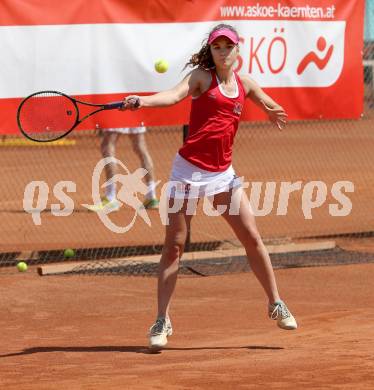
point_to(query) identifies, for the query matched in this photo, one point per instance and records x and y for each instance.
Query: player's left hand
(276, 115)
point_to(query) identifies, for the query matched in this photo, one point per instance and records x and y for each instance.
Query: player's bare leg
(242, 221)
(172, 251)
(175, 238)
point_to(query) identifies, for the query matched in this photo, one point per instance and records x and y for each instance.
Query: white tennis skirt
(187, 181)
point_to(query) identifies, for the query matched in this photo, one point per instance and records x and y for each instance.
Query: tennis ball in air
(69, 253)
(22, 266)
(161, 66)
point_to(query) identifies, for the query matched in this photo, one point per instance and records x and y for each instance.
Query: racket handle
(113, 106)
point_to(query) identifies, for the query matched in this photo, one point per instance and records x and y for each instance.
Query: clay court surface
(88, 332)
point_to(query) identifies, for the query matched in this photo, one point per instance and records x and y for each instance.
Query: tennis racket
(50, 115)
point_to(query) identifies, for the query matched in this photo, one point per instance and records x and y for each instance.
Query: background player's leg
(108, 149)
(141, 149)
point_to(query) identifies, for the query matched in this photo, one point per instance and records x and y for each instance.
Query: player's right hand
(132, 102)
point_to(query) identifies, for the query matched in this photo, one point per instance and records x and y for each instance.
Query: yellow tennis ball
(22, 266)
(161, 66)
(69, 253)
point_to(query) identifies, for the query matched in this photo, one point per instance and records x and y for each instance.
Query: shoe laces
(158, 327)
(280, 309)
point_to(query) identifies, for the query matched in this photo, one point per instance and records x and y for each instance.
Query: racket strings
(47, 116)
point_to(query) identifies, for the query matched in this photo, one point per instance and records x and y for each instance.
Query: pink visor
(224, 32)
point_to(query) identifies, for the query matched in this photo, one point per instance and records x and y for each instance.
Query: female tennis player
(203, 167)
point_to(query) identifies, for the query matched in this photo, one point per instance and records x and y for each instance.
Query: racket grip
(113, 106)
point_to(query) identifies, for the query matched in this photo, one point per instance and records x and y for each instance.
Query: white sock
(151, 194)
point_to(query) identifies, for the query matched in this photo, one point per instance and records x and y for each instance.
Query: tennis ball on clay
(69, 253)
(161, 66)
(22, 266)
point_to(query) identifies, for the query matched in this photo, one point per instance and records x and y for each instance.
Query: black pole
(185, 132)
(187, 244)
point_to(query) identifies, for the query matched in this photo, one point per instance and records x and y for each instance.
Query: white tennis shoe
(158, 334)
(279, 311)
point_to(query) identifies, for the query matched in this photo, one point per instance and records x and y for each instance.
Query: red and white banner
(305, 54)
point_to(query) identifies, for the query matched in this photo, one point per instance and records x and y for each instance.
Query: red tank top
(214, 120)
